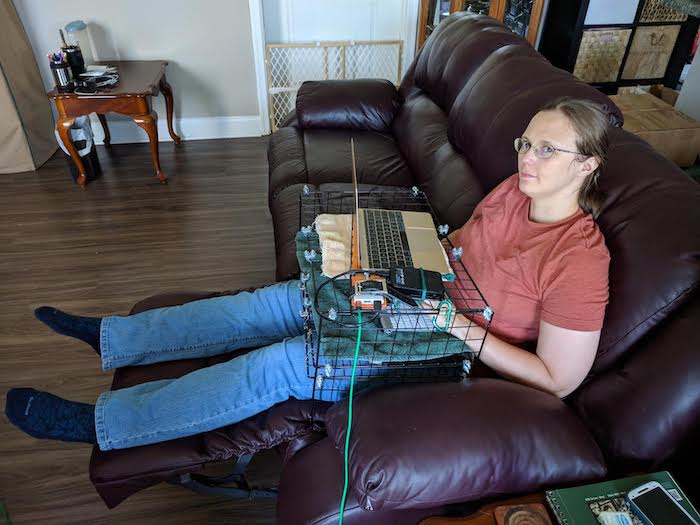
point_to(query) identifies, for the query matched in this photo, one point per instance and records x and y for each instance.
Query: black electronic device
(416, 282)
(92, 84)
(653, 503)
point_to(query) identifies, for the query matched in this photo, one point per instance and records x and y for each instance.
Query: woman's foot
(84, 328)
(46, 416)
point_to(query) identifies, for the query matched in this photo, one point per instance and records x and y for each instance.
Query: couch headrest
(498, 101)
(455, 50)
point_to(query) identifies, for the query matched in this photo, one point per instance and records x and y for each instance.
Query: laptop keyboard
(387, 243)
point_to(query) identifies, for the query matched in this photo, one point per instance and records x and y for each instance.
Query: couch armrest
(362, 104)
(418, 446)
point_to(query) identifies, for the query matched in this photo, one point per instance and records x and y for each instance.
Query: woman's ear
(588, 166)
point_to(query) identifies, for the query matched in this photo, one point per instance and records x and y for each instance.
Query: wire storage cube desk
(402, 342)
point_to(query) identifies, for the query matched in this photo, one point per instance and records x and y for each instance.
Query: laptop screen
(356, 210)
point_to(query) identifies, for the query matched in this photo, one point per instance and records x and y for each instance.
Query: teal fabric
(376, 346)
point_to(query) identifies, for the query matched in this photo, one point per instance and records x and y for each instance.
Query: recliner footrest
(117, 474)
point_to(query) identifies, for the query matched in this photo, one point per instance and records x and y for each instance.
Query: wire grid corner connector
(290, 65)
(400, 343)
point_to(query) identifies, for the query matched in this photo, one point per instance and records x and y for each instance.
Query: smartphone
(653, 504)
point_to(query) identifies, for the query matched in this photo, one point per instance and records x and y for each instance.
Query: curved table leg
(103, 121)
(63, 127)
(168, 94)
(148, 122)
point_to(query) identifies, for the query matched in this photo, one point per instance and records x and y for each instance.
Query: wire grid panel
(398, 343)
(290, 65)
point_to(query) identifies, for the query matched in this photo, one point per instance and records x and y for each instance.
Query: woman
(532, 246)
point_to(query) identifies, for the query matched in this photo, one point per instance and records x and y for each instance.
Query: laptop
(392, 237)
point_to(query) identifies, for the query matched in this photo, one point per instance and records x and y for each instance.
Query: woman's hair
(591, 125)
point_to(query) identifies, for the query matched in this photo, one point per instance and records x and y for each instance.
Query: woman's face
(562, 174)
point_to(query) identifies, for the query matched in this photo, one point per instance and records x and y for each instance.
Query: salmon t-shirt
(529, 271)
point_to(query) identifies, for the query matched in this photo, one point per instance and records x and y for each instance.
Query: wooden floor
(96, 252)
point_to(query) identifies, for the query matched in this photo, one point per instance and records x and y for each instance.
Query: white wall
(611, 12)
(332, 20)
(207, 43)
(689, 99)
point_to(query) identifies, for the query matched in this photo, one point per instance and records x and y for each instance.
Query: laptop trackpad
(426, 250)
(413, 219)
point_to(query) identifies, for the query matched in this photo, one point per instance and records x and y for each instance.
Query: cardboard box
(668, 95)
(673, 134)
(633, 90)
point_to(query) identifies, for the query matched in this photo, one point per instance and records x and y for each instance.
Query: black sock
(84, 328)
(46, 416)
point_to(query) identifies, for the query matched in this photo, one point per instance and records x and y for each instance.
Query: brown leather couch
(417, 450)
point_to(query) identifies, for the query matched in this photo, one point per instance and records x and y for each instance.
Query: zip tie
(306, 190)
(310, 255)
(319, 381)
(306, 230)
(329, 369)
(443, 229)
(466, 367)
(457, 253)
(307, 301)
(415, 191)
(304, 277)
(332, 314)
(488, 313)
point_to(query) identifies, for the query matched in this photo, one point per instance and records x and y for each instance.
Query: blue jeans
(211, 397)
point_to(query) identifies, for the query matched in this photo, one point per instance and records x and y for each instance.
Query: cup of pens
(62, 75)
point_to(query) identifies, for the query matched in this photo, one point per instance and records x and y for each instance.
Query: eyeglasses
(545, 151)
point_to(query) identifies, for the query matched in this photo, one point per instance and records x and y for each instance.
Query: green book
(583, 505)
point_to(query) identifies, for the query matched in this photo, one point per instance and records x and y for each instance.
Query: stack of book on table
(605, 503)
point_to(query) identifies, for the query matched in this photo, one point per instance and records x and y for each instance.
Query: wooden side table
(138, 80)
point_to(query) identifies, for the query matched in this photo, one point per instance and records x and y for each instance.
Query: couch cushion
(378, 159)
(643, 410)
(359, 104)
(441, 172)
(650, 220)
(285, 208)
(454, 51)
(310, 492)
(417, 446)
(498, 101)
(285, 156)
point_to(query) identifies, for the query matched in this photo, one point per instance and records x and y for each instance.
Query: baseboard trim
(124, 131)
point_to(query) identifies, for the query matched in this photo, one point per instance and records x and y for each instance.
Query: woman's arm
(562, 360)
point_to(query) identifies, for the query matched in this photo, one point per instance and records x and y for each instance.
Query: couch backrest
(472, 89)
(643, 397)
(498, 101)
(448, 59)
